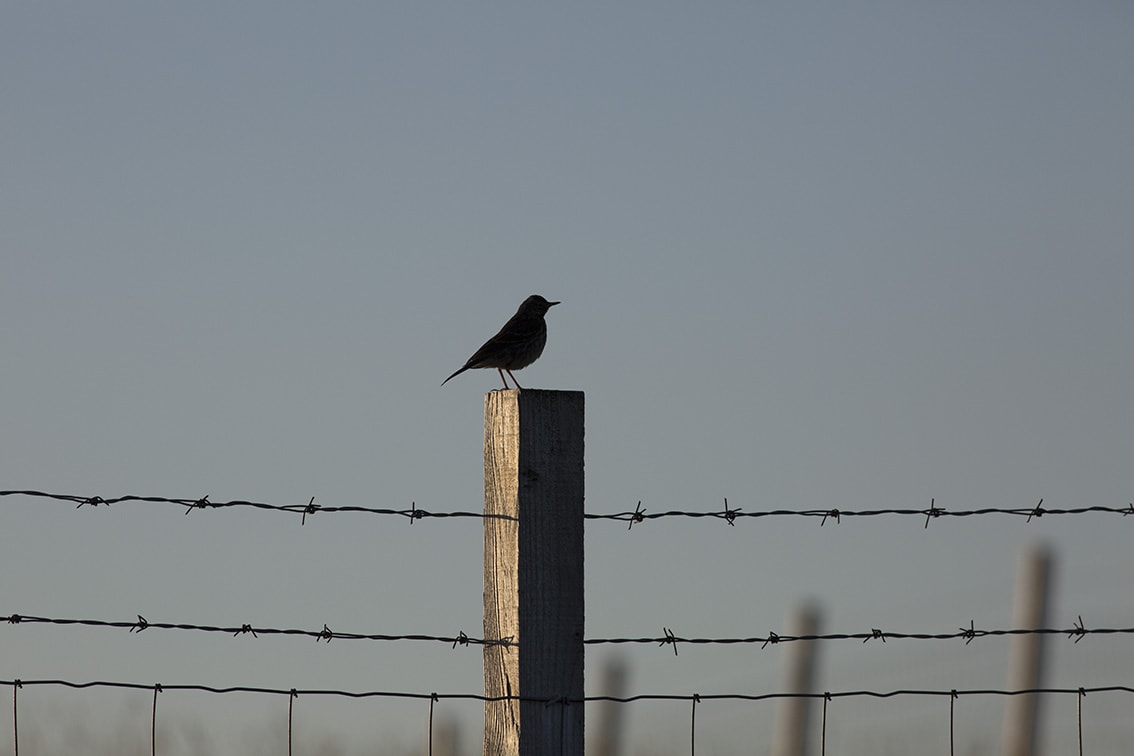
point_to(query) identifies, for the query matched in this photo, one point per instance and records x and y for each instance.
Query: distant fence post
(533, 571)
(793, 720)
(1026, 652)
(607, 738)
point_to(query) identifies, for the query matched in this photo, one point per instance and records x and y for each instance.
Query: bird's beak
(552, 304)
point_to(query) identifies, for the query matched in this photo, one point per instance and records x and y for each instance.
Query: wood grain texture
(533, 571)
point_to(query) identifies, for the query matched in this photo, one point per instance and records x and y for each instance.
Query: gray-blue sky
(810, 256)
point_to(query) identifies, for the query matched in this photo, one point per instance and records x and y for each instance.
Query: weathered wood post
(533, 572)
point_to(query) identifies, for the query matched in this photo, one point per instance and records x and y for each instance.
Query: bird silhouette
(518, 344)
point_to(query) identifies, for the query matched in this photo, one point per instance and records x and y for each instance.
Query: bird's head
(536, 305)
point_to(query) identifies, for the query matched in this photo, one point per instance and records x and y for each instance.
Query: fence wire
(694, 699)
(729, 515)
(639, 515)
(326, 634)
(968, 634)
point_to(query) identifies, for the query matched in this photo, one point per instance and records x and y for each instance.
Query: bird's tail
(454, 375)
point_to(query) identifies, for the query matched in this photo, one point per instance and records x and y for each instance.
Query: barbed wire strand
(968, 634)
(326, 634)
(310, 508)
(729, 515)
(1077, 632)
(638, 516)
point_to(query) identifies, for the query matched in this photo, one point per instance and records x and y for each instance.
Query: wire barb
(310, 509)
(932, 512)
(669, 638)
(730, 514)
(1079, 630)
(201, 503)
(637, 516)
(1037, 512)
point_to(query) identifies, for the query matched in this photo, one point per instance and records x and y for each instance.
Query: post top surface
(531, 391)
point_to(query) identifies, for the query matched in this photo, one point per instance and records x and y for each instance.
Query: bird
(519, 343)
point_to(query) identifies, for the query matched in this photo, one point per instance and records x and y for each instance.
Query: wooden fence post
(608, 736)
(793, 720)
(1026, 652)
(533, 572)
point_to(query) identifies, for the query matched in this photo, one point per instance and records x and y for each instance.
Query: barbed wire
(637, 516)
(326, 634)
(310, 508)
(730, 515)
(669, 638)
(968, 634)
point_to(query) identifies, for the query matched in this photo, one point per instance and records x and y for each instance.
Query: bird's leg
(506, 386)
(518, 386)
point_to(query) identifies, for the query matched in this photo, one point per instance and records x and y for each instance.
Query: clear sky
(809, 254)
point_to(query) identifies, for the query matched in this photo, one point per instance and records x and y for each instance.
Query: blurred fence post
(447, 739)
(1026, 653)
(793, 715)
(608, 733)
(533, 572)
